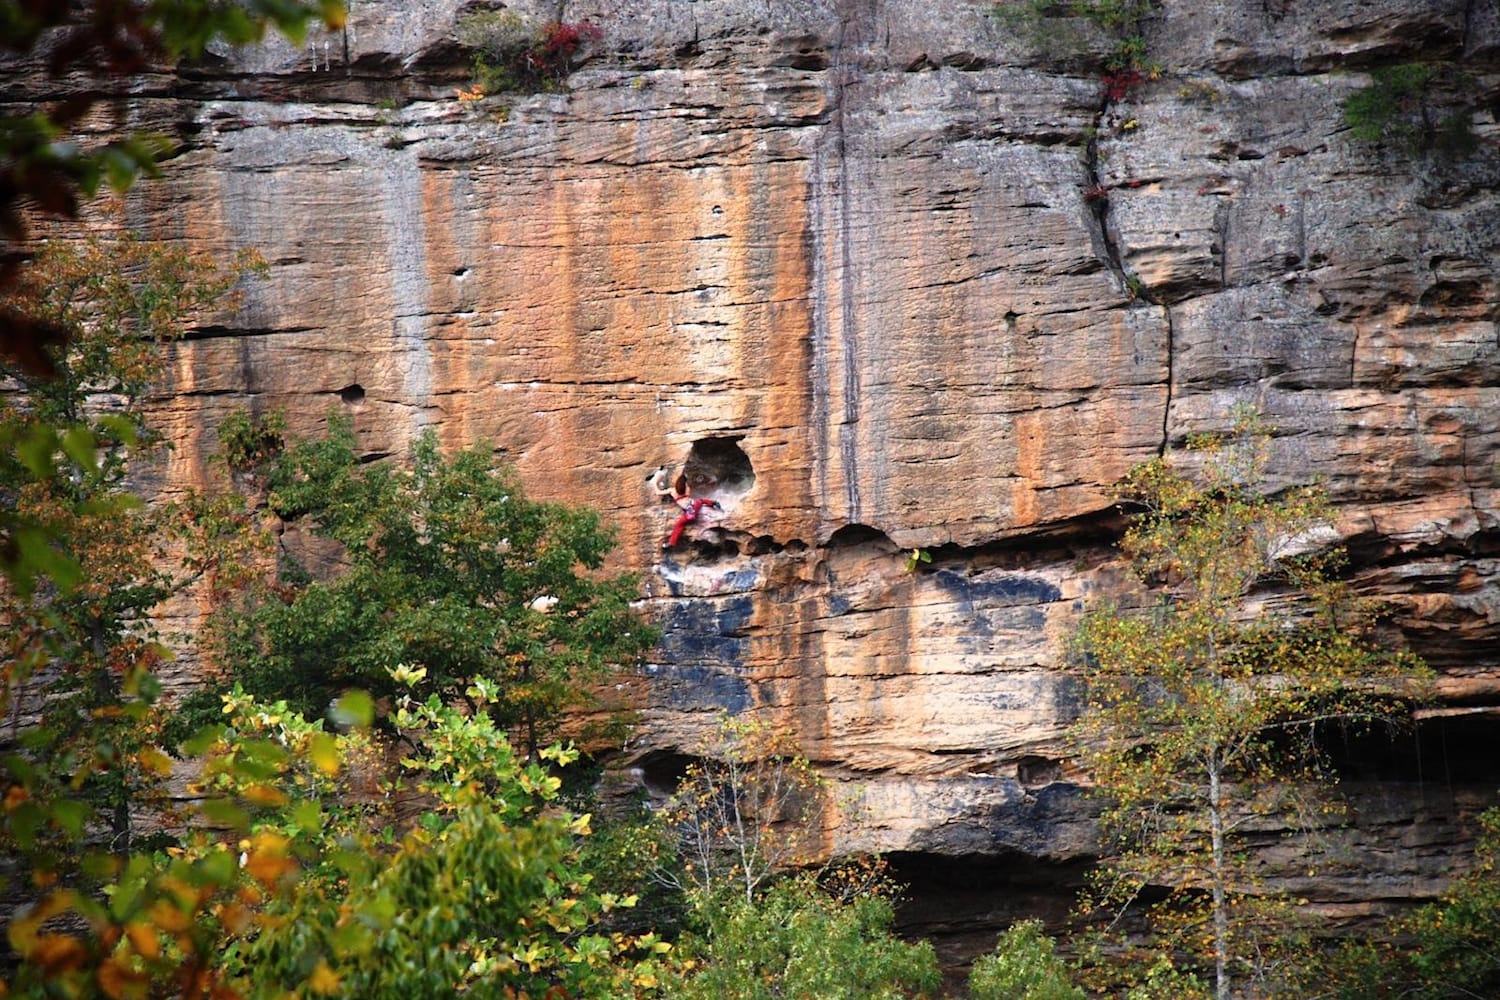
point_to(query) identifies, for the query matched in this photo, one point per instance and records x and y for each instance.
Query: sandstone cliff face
(890, 275)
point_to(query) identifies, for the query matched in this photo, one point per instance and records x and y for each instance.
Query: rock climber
(691, 508)
(680, 494)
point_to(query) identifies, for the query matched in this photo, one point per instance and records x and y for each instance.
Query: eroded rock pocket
(718, 467)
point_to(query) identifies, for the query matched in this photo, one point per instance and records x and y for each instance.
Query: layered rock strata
(889, 276)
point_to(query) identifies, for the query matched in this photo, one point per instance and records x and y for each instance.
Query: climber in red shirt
(691, 508)
(679, 492)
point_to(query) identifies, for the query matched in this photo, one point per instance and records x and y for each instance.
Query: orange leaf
(155, 761)
(234, 917)
(323, 979)
(267, 859)
(169, 916)
(57, 953)
(265, 795)
(119, 982)
(143, 939)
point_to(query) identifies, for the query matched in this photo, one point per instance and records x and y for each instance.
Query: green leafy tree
(69, 435)
(450, 574)
(1023, 966)
(296, 879)
(794, 940)
(1203, 717)
(89, 563)
(163, 922)
(305, 884)
(482, 894)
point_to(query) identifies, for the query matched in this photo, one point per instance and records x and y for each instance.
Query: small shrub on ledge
(1417, 106)
(513, 54)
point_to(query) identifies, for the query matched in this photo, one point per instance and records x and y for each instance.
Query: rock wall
(891, 275)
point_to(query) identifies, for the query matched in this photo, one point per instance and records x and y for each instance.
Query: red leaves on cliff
(552, 56)
(1119, 83)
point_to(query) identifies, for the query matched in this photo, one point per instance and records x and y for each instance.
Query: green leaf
(21, 770)
(25, 820)
(70, 815)
(35, 449)
(307, 815)
(217, 868)
(353, 710)
(224, 812)
(201, 741)
(323, 751)
(120, 428)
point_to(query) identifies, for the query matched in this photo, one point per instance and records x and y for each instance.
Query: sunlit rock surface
(888, 276)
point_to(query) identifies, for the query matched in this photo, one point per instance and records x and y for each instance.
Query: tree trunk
(108, 693)
(1220, 904)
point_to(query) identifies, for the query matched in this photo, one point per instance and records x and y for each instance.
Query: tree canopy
(446, 573)
(1203, 716)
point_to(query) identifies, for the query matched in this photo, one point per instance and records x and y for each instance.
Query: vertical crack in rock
(848, 327)
(1221, 227)
(1166, 410)
(404, 218)
(1096, 199)
(817, 418)
(1353, 353)
(1301, 229)
(856, 25)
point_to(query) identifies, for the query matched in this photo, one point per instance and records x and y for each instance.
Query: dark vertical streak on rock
(1353, 354)
(818, 374)
(1166, 410)
(1302, 229)
(1096, 202)
(1221, 225)
(856, 26)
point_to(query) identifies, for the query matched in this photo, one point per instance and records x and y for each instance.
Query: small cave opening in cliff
(660, 772)
(710, 547)
(1034, 771)
(352, 394)
(718, 467)
(961, 903)
(1453, 747)
(851, 535)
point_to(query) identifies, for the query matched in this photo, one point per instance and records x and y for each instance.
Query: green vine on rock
(1413, 105)
(247, 442)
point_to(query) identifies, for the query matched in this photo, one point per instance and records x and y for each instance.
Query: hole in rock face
(352, 394)
(961, 903)
(1446, 750)
(718, 467)
(660, 772)
(720, 549)
(858, 534)
(1034, 772)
